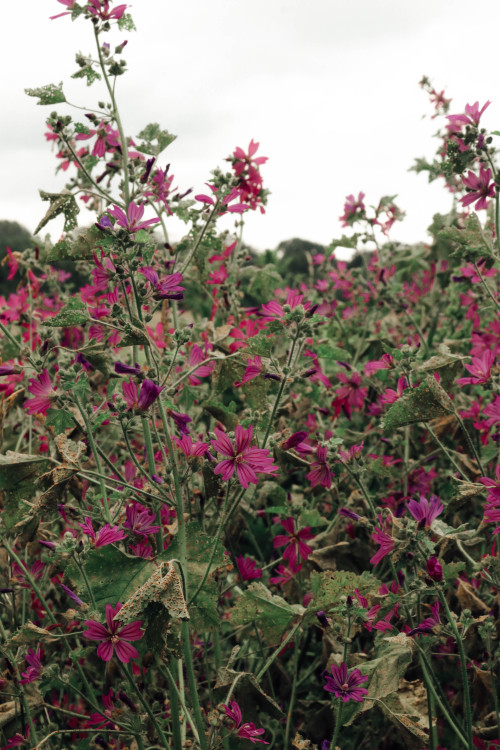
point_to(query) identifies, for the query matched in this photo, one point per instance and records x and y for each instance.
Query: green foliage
(271, 614)
(60, 203)
(151, 133)
(329, 587)
(60, 420)
(50, 94)
(18, 481)
(471, 243)
(73, 313)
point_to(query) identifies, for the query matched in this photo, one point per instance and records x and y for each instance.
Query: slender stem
(363, 490)
(338, 724)
(82, 169)
(145, 706)
(470, 442)
(81, 568)
(95, 453)
(175, 698)
(445, 451)
(432, 727)
(288, 727)
(188, 661)
(281, 389)
(483, 281)
(116, 115)
(200, 237)
(463, 663)
(16, 343)
(260, 674)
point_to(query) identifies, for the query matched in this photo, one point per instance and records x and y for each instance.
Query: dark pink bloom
(350, 395)
(123, 369)
(386, 543)
(390, 396)
(344, 684)
(106, 535)
(296, 546)
(273, 310)
(493, 485)
(166, 288)
(43, 394)
(348, 513)
(186, 445)
(353, 210)
(195, 357)
(34, 666)
(19, 573)
(69, 4)
(471, 117)
(148, 394)
(253, 370)
(246, 731)
(425, 511)
(100, 9)
(114, 637)
(140, 520)
(247, 461)
(480, 369)
(320, 471)
(12, 262)
(284, 574)
(479, 188)
(142, 550)
(131, 221)
(351, 453)
(181, 421)
(294, 440)
(430, 622)
(247, 568)
(434, 569)
(18, 739)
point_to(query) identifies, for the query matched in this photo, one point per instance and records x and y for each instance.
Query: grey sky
(328, 88)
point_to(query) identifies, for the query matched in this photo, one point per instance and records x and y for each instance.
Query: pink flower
(248, 461)
(186, 445)
(386, 362)
(34, 666)
(166, 288)
(273, 310)
(284, 575)
(114, 638)
(471, 117)
(12, 262)
(131, 221)
(69, 4)
(386, 543)
(479, 188)
(320, 472)
(390, 396)
(425, 511)
(195, 357)
(480, 369)
(140, 520)
(106, 535)
(100, 9)
(344, 684)
(353, 209)
(246, 731)
(429, 623)
(296, 546)
(43, 393)
(350, 395)
(247, 568)
(253, 370)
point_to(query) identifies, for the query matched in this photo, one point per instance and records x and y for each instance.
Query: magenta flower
(295, 541)
(113, 637)
(479, 189)
(320, 471)
(386, 543)
(247, 568)
(430, 622)
(131, 221)
(345, 685)
(480, 369)
(294, 440)
(253, 370)
(69, 4)
(123, 369)
(247, 731)
(284, 575)
(274, 311)
(471, 117)
(34, 666)
(43, 393)
(100, 9)
(434, 569)
(493, 485)
(247, 461)
(186, 445)
(195, 357)
(353, 209)
(148, 394)
(181, 421)
(140, 520)
(168, 287)
(425, 511)
(106, 535)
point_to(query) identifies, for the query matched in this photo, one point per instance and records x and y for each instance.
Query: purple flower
(140, 520)
(148, 395)
(344, 685)
(168, 287)
(131, 221)
(7, 370)
(181, 421)
(106, 535)
(34, 668)
(248, 730)
(321, 472)
(347, 513)
(479, 188)
(247, 461)
(71, 595)
(294, 440)
(247, 568)
(471, 117)
(425, 511)
(113, 637)
(123, 369)
(434, 569)
(429, 622)
(386, 543)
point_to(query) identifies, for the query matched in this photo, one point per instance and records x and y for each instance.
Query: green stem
(188, 661)
(95, 453)
(463, 664)
(445, 451)
(260, 674)
(288, 727)
(175, 698)
(338, 724)
(145, 706)
(470, 442)
(363, 490)
(81, 568)
(281, 388)
(483, 280)
(200, 237)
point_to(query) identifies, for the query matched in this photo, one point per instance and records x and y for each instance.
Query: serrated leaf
(59, 419)
(60, 203)
(153, 132)
(416, 405)
(80, 247)
(89, 73)
(272, 614)
(50, 94)
(73, 313)
(472, 242)
(326, 351)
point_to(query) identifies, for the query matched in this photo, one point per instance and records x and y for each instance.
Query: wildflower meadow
(246, 501)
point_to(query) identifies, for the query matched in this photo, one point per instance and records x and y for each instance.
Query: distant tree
(295, 257)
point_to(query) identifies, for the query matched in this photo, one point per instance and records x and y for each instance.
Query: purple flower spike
(347, 513)
(344, 685)
(148, 395)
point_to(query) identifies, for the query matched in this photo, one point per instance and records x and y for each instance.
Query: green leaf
(80, 247)
(89, 73)
(132, 336)
(60, 203)
(73, 313)
(260, 345)
(262, 281)
(416, 405)
(126, 23)
(472, 242)
(221, 413)
(326, 351)
(59, 419)
(272, 614)
(18, 475)
(153, 132)
(50, 94)
(328, 588)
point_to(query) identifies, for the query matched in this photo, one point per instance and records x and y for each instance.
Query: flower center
(345, 686)
(115, 639)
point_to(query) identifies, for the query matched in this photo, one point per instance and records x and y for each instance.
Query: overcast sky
(328, 87)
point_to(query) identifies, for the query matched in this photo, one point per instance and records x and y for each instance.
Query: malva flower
(284, 575)
(320, 471)
(114, 637)
(140, 520)
(353, 209)
(425, 511)
(471, 117)
(100, 9)
(429, 623)
(33, 659)
(181, 421)
(295, 541)
(434, 569)
(131, 221)
(43, 394)
(253, 370)
(274, 310)
(247, 461)
(386, 543)
(168, 287)
(148, 394)
(480, 369)
(186, 445)
(479, 189)
(247, 568)
(344, 684)
(247, 731)
(106, 535)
